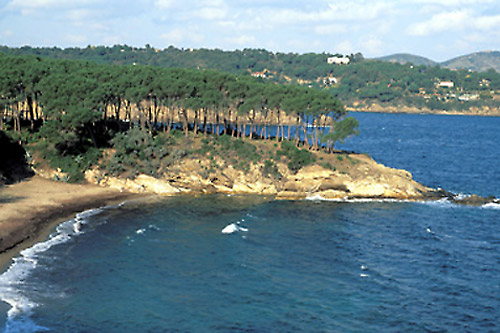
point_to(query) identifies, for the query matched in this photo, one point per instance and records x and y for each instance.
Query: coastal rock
(366, 189)
(473, 200)
(141, 184)
(255, 187)
(359, 176)
(154, 185)
(313, 172)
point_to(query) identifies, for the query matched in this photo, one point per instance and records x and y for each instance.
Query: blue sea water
(165, 264)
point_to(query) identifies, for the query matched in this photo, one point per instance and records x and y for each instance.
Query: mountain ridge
(480, 61)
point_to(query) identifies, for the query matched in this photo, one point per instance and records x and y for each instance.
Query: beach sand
(29, 210)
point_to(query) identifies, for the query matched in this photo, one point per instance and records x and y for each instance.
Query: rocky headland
(338, 176)
(354, 176)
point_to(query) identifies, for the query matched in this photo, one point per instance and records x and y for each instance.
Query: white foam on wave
(154, 227)
(233, 227)
(491, 205)
(22, 266)
(440, 203)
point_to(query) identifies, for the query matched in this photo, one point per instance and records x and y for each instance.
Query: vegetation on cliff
(70, 111)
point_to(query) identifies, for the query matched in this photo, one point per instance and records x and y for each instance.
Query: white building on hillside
(330, 80)
(446, 84)
(338, 60)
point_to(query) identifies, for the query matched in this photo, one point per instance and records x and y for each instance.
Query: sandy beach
(29, 210)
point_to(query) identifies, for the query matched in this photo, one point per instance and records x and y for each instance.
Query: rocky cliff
(358, 176)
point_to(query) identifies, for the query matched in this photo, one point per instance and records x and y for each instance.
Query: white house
(338, 60)
(468, 97)
(446, 84)
(259, 74)
(330, 80)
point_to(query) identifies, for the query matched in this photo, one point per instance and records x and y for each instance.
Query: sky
(436, 29)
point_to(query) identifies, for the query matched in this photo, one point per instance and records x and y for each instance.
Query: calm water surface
(164, 265)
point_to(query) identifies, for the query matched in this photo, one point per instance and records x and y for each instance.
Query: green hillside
(359, 84)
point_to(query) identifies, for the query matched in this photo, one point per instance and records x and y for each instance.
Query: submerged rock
(473, 200)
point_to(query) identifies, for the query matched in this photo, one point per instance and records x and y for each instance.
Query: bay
(163, 264)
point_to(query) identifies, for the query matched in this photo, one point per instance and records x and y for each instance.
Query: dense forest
(69, 111)
(360, 83)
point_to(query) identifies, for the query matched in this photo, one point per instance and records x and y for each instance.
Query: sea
(220, 263)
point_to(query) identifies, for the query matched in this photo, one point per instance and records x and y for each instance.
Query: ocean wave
(154, 227)
(440, 203)
(233, 227)
(491, 205)
(22, 266)
(151, 227)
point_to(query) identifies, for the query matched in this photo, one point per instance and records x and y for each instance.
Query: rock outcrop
(361, 177)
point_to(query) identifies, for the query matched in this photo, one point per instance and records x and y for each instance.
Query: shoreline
(406, 110)
(31, 209)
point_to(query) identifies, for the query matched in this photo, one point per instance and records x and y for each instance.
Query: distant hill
(403, 58)
(479, 61)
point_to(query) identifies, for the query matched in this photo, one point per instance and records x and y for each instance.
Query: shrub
(232, 150)
(297, 158)
(138, 152)
(328, 165)
(271, 170)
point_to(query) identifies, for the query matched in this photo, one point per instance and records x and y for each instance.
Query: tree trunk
(128, 114)
(235, 131)
(205, 127)
(217, 122)
(185, 122)
(195, 122)
(17, 118)
(297, 131)
(31, 112)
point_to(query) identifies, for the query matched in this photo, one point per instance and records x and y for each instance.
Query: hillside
(362, 84)
(405, 58)
(175, 131)
(480, 61)
(476, 62)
